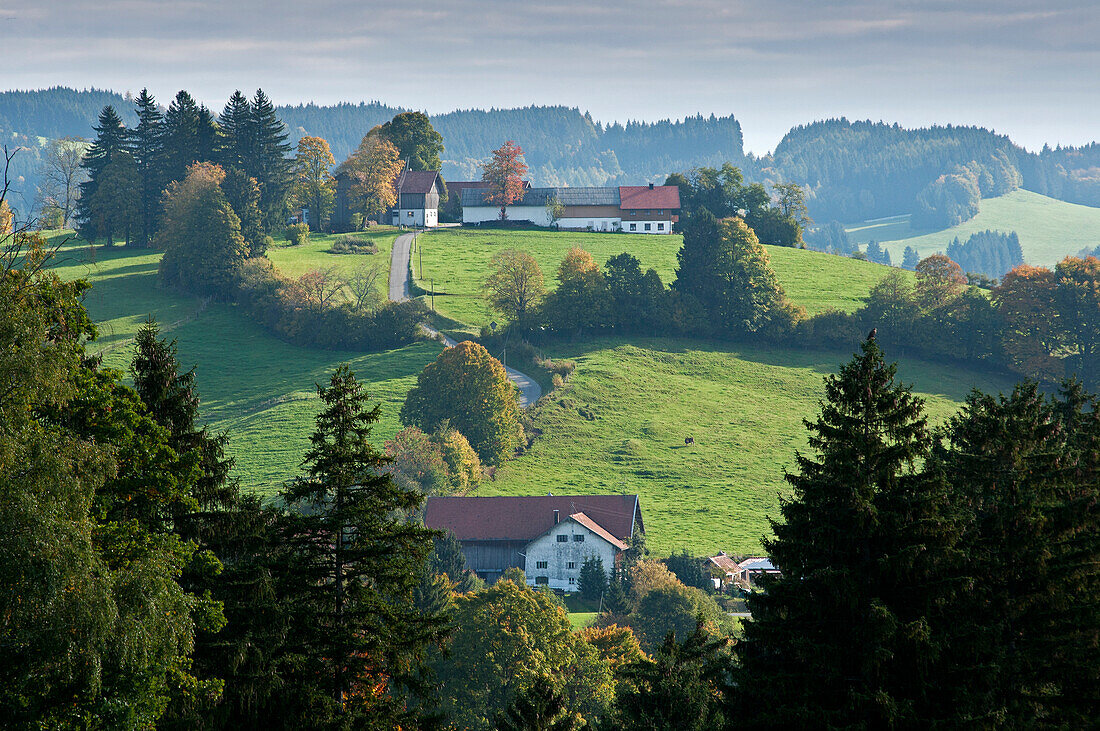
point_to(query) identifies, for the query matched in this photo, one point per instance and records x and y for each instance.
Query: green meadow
(618, 425)
(1049, 229)
(457, 261)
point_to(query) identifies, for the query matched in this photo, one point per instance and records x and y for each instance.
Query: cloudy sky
(1029, 69)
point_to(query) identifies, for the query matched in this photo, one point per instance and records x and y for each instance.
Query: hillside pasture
(253, 385)
(458, 260)
(1049, 229)
(620, 424)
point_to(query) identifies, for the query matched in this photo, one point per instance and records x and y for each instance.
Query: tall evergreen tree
(357, 563)
(146, 141)
(1025, 646)
(181, 136)
(207, 136)
(111, 139)
(851, 631)
(237, 141)
(270, 165)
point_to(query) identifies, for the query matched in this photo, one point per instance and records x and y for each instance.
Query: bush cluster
(297, 233)
(354, 245)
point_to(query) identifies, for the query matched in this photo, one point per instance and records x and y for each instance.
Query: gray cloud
(1024, 69)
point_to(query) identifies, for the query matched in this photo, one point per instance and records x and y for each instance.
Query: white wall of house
(585, 224)
(486, 214)
(416, 217)
(639, 227)
(557, 563)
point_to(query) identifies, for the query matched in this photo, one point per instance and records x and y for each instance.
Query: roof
(460, 185)
(526, 518)
(649, 196)
(414, 182)
(587, 196)
(474, 197)
(598, 530)
(724, 562)
(757, 564)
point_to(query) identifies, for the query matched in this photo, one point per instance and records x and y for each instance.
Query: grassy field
(1049, 229)
(294, 261)
(252, 384)
(619, 427)
(458, 260)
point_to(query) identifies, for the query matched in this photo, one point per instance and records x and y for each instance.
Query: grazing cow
(689, 442)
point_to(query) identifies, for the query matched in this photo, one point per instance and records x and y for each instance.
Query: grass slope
(294, 261)
(459, 262)
(619, 427)
(252, 384)
(1049, 229)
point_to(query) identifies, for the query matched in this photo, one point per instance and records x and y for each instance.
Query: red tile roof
(598, 530)
(644, 196)
(526, 518)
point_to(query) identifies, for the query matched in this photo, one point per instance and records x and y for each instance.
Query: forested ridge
(853, 170)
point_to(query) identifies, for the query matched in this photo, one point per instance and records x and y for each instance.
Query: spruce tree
(270, 163)
(111, 139)
(207, 136)
(592, 582)
(237, 143)
(181, 136)
(850, 633)
(147, 143)
(541, 707)
(1024, 651)
(357, 561)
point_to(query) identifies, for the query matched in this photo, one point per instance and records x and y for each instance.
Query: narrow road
(529, 390)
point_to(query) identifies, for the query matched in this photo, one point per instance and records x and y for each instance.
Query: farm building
(632, 208)
(549, 537)
(418, 194)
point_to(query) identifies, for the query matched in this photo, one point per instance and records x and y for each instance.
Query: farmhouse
(549, 537)
(638, 208)
(418, 194)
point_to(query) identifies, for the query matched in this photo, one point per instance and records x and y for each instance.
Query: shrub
(556, 381)
(560, 368)
(354, 245)
(297, 233)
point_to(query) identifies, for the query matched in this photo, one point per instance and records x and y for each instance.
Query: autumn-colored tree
(463, 465)
(314, 186)
(468, 388)
(200, 234)
(6, 221)
(1025, 300)
(504, 172)
(320, 287)
(373, 167)
(581, 299)
(516, 286)
(1077, 299)
(939, 281)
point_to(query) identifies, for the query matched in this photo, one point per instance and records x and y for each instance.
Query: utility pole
(433, 294)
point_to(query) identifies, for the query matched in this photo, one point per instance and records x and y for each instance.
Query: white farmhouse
(549, 537)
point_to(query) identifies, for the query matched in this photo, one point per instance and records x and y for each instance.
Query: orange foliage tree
(1025, 299)
(939, 281)
(505, 171)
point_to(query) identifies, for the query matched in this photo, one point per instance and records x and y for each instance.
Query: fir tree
(541, 707)
(181, 136)
(111, 139)
(357, 562)
(850, 633)
(207, 136)
(910, 259)
(237, 143)
(148, 150)
(270, 163)
(243, 194)
(592, 582)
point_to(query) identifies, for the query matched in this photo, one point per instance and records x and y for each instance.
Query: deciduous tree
(416, 140)
(515, 287)
(504, 172)
(373, 167)
(314, 186)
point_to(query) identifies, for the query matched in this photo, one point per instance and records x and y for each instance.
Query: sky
(1027, 69)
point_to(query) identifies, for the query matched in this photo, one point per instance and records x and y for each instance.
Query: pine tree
(111, 139)
(850, 633)
(237, 143)
(270, 160)
(207, 136)
(181, 137)
(148, 150)
(243, 194)
(910, 259)
(357, 563)
(540, 707)
(592, 583)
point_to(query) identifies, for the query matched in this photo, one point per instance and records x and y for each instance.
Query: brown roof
(724, 562)
(649, 196)
(526, 518)
(415, 182)
(598, 530)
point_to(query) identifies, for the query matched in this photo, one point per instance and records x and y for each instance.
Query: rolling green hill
(459, 262)
(1049, 229)
(618, 425)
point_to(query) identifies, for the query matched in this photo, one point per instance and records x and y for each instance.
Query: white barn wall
(487, 214)
(558, 555)
(628, 222)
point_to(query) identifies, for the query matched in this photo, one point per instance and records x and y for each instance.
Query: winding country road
(529, 390)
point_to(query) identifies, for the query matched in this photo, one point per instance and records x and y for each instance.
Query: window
(410, 214)
(661, 212)
(633, 227)
(542, 580)
(572, 581)
(633, 213)
(571, 565)
(648, 226)
(540, 564)
(563, 539)
(578, 539)
(660, 227)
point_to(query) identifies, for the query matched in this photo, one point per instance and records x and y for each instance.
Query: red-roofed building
(549, 537)
(649, 209)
